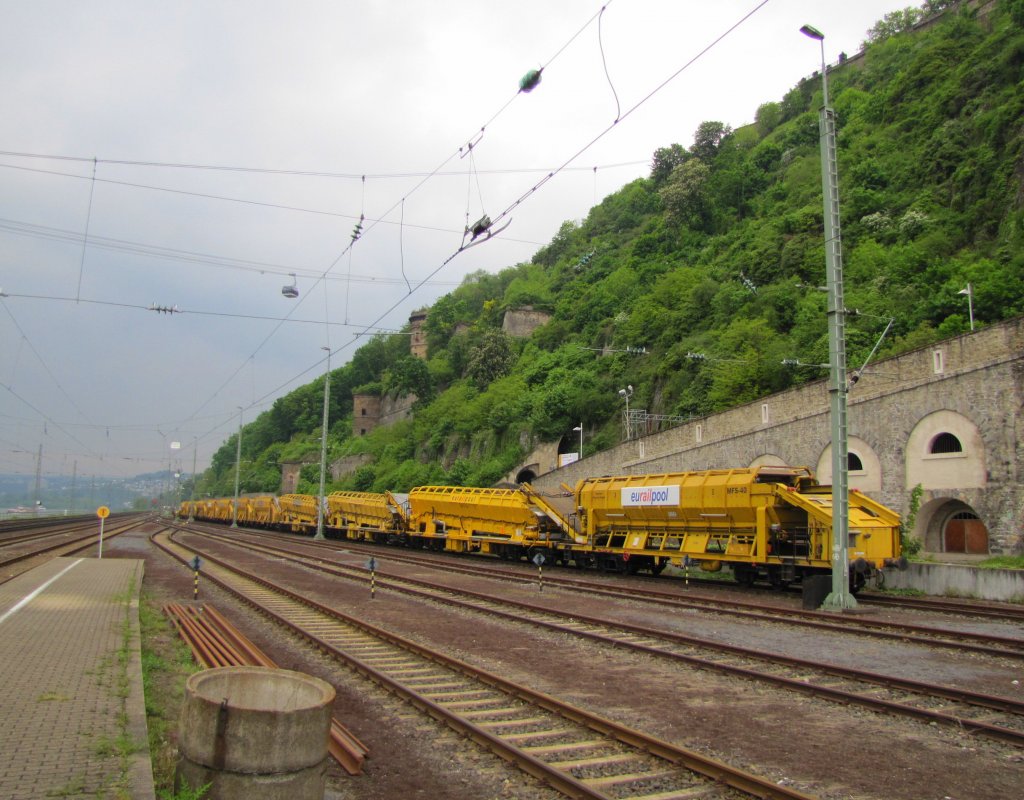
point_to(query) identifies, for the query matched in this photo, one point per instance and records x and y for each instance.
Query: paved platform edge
(140, 773)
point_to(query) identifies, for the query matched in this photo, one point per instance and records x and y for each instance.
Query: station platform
(72, 719)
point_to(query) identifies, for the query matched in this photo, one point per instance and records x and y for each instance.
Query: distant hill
(697, 286)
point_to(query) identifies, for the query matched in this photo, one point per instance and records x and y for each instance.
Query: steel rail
(709, 768)
(446, 594)
(920, 634)
(72, 546)
(947, 606)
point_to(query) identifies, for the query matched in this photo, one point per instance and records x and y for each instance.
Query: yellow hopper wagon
(501, 522)
(298, 512)
(370, 516)
(261, 510)
(772, 523)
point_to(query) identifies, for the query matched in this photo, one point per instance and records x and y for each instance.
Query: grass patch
(120, 747)
(1002, 562)
(904, 592)
(166, 664)
(956, 594)
(75, 786)
(48, 697)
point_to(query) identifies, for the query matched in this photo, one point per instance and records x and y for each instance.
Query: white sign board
(650, 496)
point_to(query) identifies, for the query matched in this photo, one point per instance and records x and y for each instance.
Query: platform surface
(72, 714)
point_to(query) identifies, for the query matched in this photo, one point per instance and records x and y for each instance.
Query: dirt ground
(819, 747)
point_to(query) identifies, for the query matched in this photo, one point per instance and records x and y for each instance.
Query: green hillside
(710, 267)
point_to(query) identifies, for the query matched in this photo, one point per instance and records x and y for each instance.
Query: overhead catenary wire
(593, 141)
(354, 176)
(190, 256)
(537, 186)
(532, 190)
(85, 236)
(604, 63)
(549, 174)
(25, 340)
(389, 211)
(382, 220)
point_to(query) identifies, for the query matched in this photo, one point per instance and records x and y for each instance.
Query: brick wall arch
(957, 470)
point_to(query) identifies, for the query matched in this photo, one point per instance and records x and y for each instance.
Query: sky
(166, 168)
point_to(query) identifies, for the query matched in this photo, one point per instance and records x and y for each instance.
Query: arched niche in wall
(768, 460)
(945, 451)
(864, 469)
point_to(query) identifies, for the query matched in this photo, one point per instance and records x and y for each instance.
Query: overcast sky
(192, 155)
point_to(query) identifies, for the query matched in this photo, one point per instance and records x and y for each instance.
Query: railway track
(941, 605)
(994, 717)
(957, 640)
(578, 753)
(56, 543)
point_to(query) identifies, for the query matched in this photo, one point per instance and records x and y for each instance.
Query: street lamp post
(625, 394)
(323, 450)
(970, 303)
(192, 494)
(840, 598)
(238, 466)
(580, 429)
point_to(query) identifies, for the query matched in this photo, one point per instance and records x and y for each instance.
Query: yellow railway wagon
(770, 522)
(464, 519)
(220, 509)
(260, 510)
(367, 515)
(298, 511)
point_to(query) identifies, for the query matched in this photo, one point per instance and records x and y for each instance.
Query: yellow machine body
(466, 519)
(753, 517)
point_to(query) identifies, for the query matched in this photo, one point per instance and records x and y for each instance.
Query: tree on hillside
(707, 139)
(667, 159)
(408, 375)
(685, 193)
(491, 358)
(892, 23)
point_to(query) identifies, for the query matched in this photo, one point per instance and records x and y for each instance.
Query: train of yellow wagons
(769, 523)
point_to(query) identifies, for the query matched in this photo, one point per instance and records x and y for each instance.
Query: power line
(20, 228)
(194, 312)
(354, 176)
(396, 205)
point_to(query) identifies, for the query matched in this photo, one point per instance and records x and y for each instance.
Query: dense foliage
(710, 267)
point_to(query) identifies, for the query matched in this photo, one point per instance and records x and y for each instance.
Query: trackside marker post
(196, 563)
(372, 566)
(539, 561)
(102, 512)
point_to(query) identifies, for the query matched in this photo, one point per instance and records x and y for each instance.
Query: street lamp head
(577, 428)
(814, 33)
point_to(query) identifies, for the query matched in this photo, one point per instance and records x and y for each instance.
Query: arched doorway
(964, 532)
(945, 525)
(526, 475)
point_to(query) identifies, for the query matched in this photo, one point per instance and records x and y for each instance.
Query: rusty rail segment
(720, 774)
(217, 643)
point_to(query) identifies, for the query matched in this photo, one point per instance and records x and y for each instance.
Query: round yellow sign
(102, 512)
